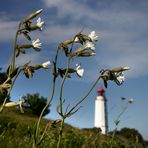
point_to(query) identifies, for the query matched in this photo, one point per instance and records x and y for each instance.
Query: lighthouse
(101, 120)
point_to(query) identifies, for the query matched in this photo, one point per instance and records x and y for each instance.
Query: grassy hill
(16, 131)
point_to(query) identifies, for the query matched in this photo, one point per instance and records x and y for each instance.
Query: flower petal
(93, 36)
(80, 72)
(46, 64)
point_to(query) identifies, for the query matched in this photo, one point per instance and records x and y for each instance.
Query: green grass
(16, 131)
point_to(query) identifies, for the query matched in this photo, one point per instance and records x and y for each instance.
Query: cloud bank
(122, 27)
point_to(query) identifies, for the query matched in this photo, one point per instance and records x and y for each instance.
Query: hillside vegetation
(17, 129)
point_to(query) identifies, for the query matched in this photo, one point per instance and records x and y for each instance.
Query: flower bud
(86, 54)
(120, 69)
(130, 101)
(11, 104)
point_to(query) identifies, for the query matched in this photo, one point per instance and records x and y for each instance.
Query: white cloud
(58, 33)
(34, 58)
(70, 7)
(123, 33)
(123, 42)
(7, 29)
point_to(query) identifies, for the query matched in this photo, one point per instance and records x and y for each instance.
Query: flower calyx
(31, 16)
(63, 46)
(36, 45)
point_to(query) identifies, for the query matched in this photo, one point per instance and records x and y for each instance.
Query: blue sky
(122, 29)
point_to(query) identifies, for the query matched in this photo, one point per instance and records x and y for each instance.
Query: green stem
(12, 65)
(87, 94)
(61, 132)
(65, 76)
(61, 99)
(117, 120)
(42, 137)
(63, 117)
(47, 105)
(62, 84)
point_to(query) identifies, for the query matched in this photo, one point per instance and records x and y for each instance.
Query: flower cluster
(26, 27)
(93, 36)
(78, 70)
(88, 49)
(115, 75)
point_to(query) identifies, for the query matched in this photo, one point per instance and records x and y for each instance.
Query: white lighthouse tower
(101, 120)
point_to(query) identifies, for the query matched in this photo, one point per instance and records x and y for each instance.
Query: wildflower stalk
(65, 115)
(61, 103)
(61, 94)
(4, 102)
(62, 84)
(42, 136)
(117, 121)
(12, 64)
(87, 94)
(47, 105)
(40, 117)
(61, 132)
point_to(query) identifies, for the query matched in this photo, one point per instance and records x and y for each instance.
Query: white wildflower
(130, 101)
(46, 64)
(120, 77)
(76, 39)
(36, 44)
(79, 70)
(93, 36)
(90, 45)
(39, 23)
